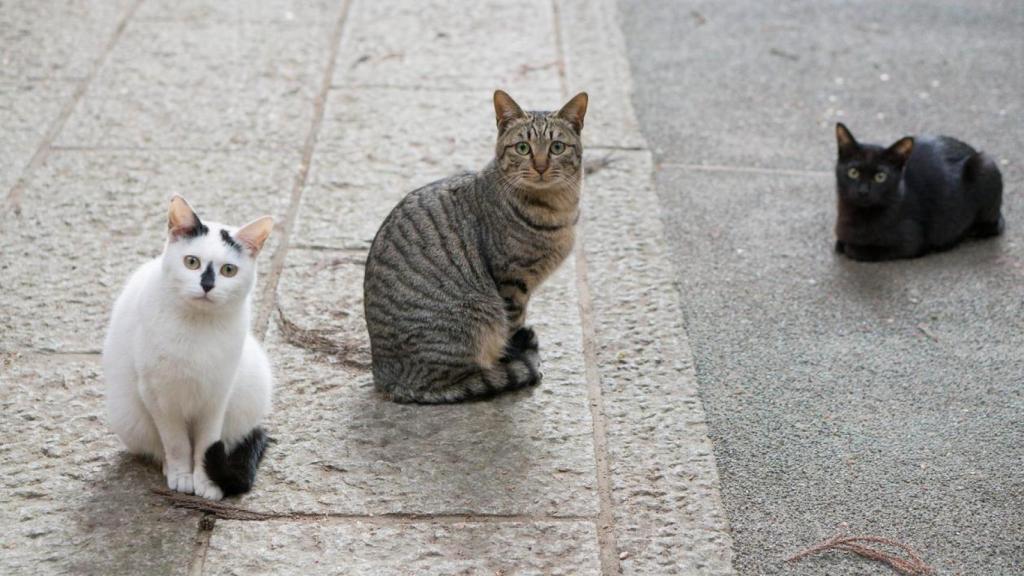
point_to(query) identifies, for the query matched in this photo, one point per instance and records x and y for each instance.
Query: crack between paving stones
(204, 149)
(13, 199)
(204, 531)
(607, 545)
(268, 300)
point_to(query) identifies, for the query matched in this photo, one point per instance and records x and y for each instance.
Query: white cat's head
(209, 265)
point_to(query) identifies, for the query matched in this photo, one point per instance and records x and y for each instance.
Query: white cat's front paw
(205, 487)
(180, 482)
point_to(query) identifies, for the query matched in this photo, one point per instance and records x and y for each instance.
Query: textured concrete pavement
(889, 397)
(324, 114)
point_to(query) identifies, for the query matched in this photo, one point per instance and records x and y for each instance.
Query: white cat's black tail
(234, 473)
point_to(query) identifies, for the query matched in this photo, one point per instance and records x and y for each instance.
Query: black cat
(917, 196)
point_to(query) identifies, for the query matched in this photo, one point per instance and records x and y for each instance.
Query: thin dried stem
(911, 566)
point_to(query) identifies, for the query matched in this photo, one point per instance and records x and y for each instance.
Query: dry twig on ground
(912, 566)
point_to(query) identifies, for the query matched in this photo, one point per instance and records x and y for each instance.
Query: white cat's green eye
(557, 147)
(192, 263)
(880, 177)
(522, 148)
(853, 173)
(228, 270)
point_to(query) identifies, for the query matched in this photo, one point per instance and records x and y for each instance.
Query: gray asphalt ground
(889, 397)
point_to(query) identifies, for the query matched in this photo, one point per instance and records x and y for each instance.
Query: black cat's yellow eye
(522, 148)
(228, 270)
(557, 147)
(880, 177)
(853, 173)
(192, 263)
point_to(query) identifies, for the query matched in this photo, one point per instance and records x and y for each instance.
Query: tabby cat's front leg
(515, 295)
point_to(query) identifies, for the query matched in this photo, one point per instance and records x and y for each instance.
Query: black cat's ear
(182, 220)
(900, 151)
(506, 109)
(574, 111)
(847, 143)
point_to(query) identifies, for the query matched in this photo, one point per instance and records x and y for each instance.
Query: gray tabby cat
(453, 266)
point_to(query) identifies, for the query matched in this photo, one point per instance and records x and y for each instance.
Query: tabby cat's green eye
(192, 263)
(880, 177)
(557, 147)
(523, 148)
(853, 173)
(228, 270)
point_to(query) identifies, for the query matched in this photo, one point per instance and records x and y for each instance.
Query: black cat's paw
(840, 247)
(524, 340)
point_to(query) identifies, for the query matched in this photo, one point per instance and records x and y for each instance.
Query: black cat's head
(869, 175)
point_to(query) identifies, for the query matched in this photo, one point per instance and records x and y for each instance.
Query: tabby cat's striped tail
(519, 368)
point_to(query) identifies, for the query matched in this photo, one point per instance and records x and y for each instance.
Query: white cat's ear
(182, 219)
(845, 140)
(506, 109)
(574, 110)
(255, 233)
(900, 151)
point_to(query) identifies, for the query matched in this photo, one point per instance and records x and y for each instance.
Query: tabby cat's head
(869, 175)
(208, 265)
(540, 150)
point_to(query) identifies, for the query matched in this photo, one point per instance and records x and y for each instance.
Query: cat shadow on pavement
(122, 528)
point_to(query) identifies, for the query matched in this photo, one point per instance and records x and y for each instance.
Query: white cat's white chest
(186, 367)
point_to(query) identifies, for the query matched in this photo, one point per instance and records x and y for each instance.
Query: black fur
(199, 229)
(524, 340)
(226, 237)
(234, 473)
(207, 279)
(935, 191)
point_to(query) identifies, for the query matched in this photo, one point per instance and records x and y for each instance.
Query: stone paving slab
(113, 205)
(68, 490)
(27, 107)
(785, 92)
(16, 150)
(302, 12)
(342, 448)
(668, 516)
(366, 161)
(403, 549)
(445, 44)
(211, 85)
(55, 40)
(593, 48)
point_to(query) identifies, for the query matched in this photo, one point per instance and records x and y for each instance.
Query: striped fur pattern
(452, 268)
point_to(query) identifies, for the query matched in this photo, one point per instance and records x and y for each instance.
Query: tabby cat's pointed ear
(574, 110)
(900, 151)
(846, 141)
(506, 109)
(255, 233)
(182, 219)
